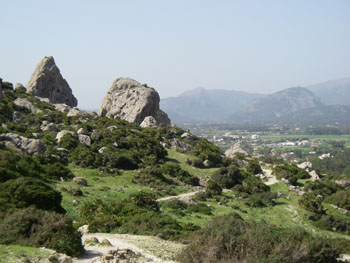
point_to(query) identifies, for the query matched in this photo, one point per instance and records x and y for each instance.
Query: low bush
(228, 177)
(34, 227)
(230, 239)
(24, 192)
(132, 216)
(254, 167)
(290, 172)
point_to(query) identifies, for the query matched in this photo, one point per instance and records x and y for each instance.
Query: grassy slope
(15, 253)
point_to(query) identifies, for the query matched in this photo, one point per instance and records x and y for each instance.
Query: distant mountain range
(313, 103)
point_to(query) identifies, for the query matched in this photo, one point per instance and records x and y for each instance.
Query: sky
(177, 45)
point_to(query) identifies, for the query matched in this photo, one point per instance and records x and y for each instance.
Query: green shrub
(126, 217)
(261, 199)
(213, 188)
(69, 141)
(200, 208)
(176, 171)
(290, 172)
(33, 227)
(228, 177)
(230, 239)
(312, 202)
(24, 192)
(254, 167)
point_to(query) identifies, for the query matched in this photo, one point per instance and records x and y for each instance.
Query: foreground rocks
(117, 256)
(22, 144)
(134, 102)
(47, 82)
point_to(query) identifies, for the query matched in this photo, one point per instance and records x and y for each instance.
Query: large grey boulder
(47, 82)
(132, 101)
(24, 103)
(84, 139)
(60, 134)
(149, 121)
(22, 144)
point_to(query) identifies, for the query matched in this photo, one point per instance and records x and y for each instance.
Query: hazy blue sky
(174, 46)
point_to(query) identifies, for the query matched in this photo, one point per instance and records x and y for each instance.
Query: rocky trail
(134, 248)
(180, 197)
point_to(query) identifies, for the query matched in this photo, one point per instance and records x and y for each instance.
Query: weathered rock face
(47, 82)
(22, 145)
(132, 101)
(24, 103)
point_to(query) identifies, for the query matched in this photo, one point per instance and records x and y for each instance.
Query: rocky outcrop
(22, 145)
(132, 101)
(20, 87)
(233, 150)
(47, 82)
(21, 103)
(60, 134)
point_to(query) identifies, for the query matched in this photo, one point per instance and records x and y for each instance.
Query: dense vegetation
(231, 239)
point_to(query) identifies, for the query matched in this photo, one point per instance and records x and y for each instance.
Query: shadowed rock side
(132, 101)
(47, 82)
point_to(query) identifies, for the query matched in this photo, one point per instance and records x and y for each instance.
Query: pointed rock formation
(132, 101)
(47, 82)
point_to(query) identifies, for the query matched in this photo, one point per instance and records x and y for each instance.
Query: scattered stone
(62, 107)
(314, 176)
(149, 121)
(76, 112)
(20, 87)
(49, 127)
(22, 144)
(80, 181)
(81, 131)
(206, 163)
(47, 82)
(112, 128)
(101, 150)
(62, 133)
(84, 139)
(84, 229)
(187, 136)
(131, 101)
(117, 256)
(174, 143)
(21, 103)
(305, 165)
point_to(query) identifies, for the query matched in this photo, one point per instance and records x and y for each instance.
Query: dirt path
(271, 179)
(148, 248)
(185, 195)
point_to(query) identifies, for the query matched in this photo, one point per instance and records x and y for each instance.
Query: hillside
(202, 105)
(150, 194)
(333, 92)
(327, 114)
(278, 105)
